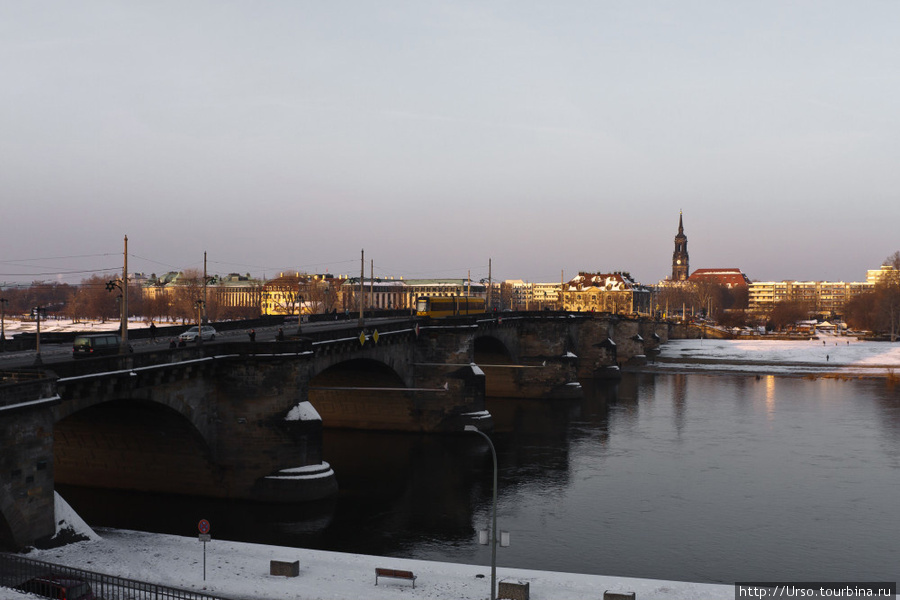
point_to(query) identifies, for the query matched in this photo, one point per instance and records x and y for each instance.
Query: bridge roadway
(236, 419)
(53, 352)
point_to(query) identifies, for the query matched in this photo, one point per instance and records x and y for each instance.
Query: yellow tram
(448, 306)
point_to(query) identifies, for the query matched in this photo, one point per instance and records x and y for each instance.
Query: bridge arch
(362, 393)
(134, 444)
(364, 372)
(490, 350)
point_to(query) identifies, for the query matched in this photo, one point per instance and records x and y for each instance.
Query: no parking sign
(203, 526)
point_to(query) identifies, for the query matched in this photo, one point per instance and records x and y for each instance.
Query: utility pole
(36, 311)
(372, 283)
(124, 348)
(205, 318)
(3, 303)
(490, 292)
(362, 289)
(562, 285)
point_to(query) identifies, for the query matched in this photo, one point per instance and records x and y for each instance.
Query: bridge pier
(527, 358)
(26, 466)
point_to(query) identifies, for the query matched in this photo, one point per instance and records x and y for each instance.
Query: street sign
(375, 336)
(203, 526)
(362, 338)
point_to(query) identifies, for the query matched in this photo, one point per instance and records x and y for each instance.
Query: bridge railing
(16, 571)
(20, 388)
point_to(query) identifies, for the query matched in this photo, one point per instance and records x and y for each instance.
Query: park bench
(396, 574)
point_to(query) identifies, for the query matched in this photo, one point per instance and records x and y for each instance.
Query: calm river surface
(708, 478)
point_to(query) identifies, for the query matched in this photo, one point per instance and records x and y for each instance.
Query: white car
(191, 334)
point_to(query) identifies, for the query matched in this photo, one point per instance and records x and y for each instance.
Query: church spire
(680, 271)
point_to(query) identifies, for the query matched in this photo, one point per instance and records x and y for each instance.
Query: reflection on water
(688, 477)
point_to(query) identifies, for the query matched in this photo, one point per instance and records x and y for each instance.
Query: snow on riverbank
(241, 570)
(828, 355)
(12, 327)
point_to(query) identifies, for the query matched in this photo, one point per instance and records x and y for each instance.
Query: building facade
(615, 293)
(822, 297)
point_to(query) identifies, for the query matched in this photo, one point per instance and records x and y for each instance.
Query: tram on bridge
(449, 306)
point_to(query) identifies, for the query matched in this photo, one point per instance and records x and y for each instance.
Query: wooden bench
(396, 574)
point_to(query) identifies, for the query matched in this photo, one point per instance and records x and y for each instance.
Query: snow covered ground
(827, 355)
(241, 571)
(12, 327)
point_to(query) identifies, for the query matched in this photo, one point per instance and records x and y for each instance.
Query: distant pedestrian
(827, 358)
(280, 336)
(152, 332)
(252, 335)
(172, 343)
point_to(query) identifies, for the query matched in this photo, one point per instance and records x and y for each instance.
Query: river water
(707, 478)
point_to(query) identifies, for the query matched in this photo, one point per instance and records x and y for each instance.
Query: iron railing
(16, 570)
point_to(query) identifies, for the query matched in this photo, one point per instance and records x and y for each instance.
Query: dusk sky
(549, 137)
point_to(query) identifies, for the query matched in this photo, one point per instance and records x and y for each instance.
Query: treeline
(92, 299)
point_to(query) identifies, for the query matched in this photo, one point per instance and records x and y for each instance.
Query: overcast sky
(550, 137)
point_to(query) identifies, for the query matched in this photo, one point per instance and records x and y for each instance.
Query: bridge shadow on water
(421, 495)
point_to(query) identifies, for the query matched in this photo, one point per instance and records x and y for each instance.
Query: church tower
(680, 270)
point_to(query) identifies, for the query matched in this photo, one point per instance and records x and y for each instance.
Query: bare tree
(188, 289)
(788, 312)
(321, 295)
(888, 302)
(93, 300)
(893, 260)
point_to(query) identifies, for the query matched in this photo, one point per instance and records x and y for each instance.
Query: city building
(822, 297)
(615, 293)
(729, 278)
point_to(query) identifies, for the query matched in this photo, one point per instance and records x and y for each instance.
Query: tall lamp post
(473, 429)
(121, 285)
(200, 303)
(3, 303)
(37, 312)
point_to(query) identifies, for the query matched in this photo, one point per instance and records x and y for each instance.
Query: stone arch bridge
(245, 419)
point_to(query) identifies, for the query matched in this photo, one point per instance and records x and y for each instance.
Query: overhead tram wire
(271, 268)
(57, 273)
(12, 262)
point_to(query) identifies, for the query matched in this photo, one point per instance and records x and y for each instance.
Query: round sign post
(203, 526)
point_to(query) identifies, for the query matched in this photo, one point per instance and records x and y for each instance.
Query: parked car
(62, 587)
(99, 344)
(191, 334)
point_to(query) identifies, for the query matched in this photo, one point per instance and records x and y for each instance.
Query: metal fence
(16, 570)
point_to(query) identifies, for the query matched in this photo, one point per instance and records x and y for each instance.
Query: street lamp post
(3, 303)
(200, 304)
(474, 429)
(122, 300)
(37, 312)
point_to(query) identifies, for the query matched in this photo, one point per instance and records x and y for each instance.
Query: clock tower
(680, 270)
